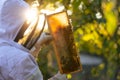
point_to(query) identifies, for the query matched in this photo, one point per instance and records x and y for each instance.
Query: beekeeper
(16, 62)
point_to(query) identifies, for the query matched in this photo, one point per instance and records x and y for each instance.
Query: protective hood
(12, 17)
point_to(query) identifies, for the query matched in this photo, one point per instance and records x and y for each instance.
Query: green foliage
(47, 61)
(101, 37)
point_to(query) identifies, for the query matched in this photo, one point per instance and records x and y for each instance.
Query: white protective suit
(15, 61)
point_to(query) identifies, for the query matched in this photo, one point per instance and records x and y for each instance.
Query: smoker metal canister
(67, 56)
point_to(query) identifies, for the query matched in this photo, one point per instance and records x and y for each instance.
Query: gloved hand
(45, 38)
(59, 76)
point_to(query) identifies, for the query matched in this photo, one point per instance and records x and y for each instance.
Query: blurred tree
(46, 61)
(96, 31)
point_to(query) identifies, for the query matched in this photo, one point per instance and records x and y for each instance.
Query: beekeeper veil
(11, 19)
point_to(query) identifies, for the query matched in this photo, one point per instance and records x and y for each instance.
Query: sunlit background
(96, 27)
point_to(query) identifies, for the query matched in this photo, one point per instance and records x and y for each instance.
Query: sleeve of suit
(26, 69)
(30, 69)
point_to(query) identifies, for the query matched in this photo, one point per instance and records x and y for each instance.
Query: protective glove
(45, 38)
(59, 76)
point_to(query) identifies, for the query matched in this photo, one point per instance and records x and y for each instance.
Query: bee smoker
(66, 53)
